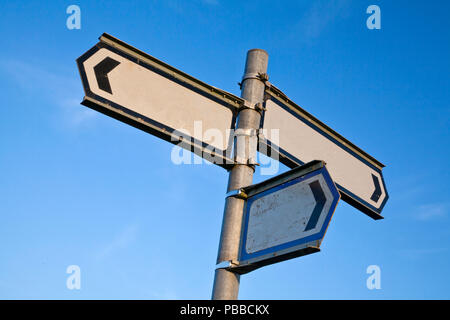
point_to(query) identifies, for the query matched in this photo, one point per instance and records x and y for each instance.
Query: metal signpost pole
(226, 283)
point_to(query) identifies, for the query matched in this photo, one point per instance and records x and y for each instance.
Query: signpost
(285, 216)
(226, 282)
(136, 88)
(281, 218)
(303, 138)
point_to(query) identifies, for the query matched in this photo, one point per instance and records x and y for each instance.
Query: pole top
(260, 50)
(256, 61)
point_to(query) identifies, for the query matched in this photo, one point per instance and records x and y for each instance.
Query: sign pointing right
(303, 138)
(286, 216)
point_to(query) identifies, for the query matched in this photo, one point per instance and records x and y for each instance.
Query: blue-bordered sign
(138, 89)
(286, 216)
(295, 137)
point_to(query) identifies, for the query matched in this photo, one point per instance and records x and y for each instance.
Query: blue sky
(79, 188)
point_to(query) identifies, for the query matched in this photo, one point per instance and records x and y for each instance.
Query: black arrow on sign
(377, 193)
(320, 198)
(101, 71)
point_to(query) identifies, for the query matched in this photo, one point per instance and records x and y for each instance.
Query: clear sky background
(79, 188)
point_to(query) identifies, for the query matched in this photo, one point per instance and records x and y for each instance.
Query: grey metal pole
(226, 283)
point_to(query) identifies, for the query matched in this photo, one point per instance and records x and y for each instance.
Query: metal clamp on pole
(237, 193)
(246, 155)
(246, 132)
(227, 264)
(250, 75)
(264, 77)
(247, 105)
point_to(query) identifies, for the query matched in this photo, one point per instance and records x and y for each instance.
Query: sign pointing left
(138, 89)
(101, 73)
